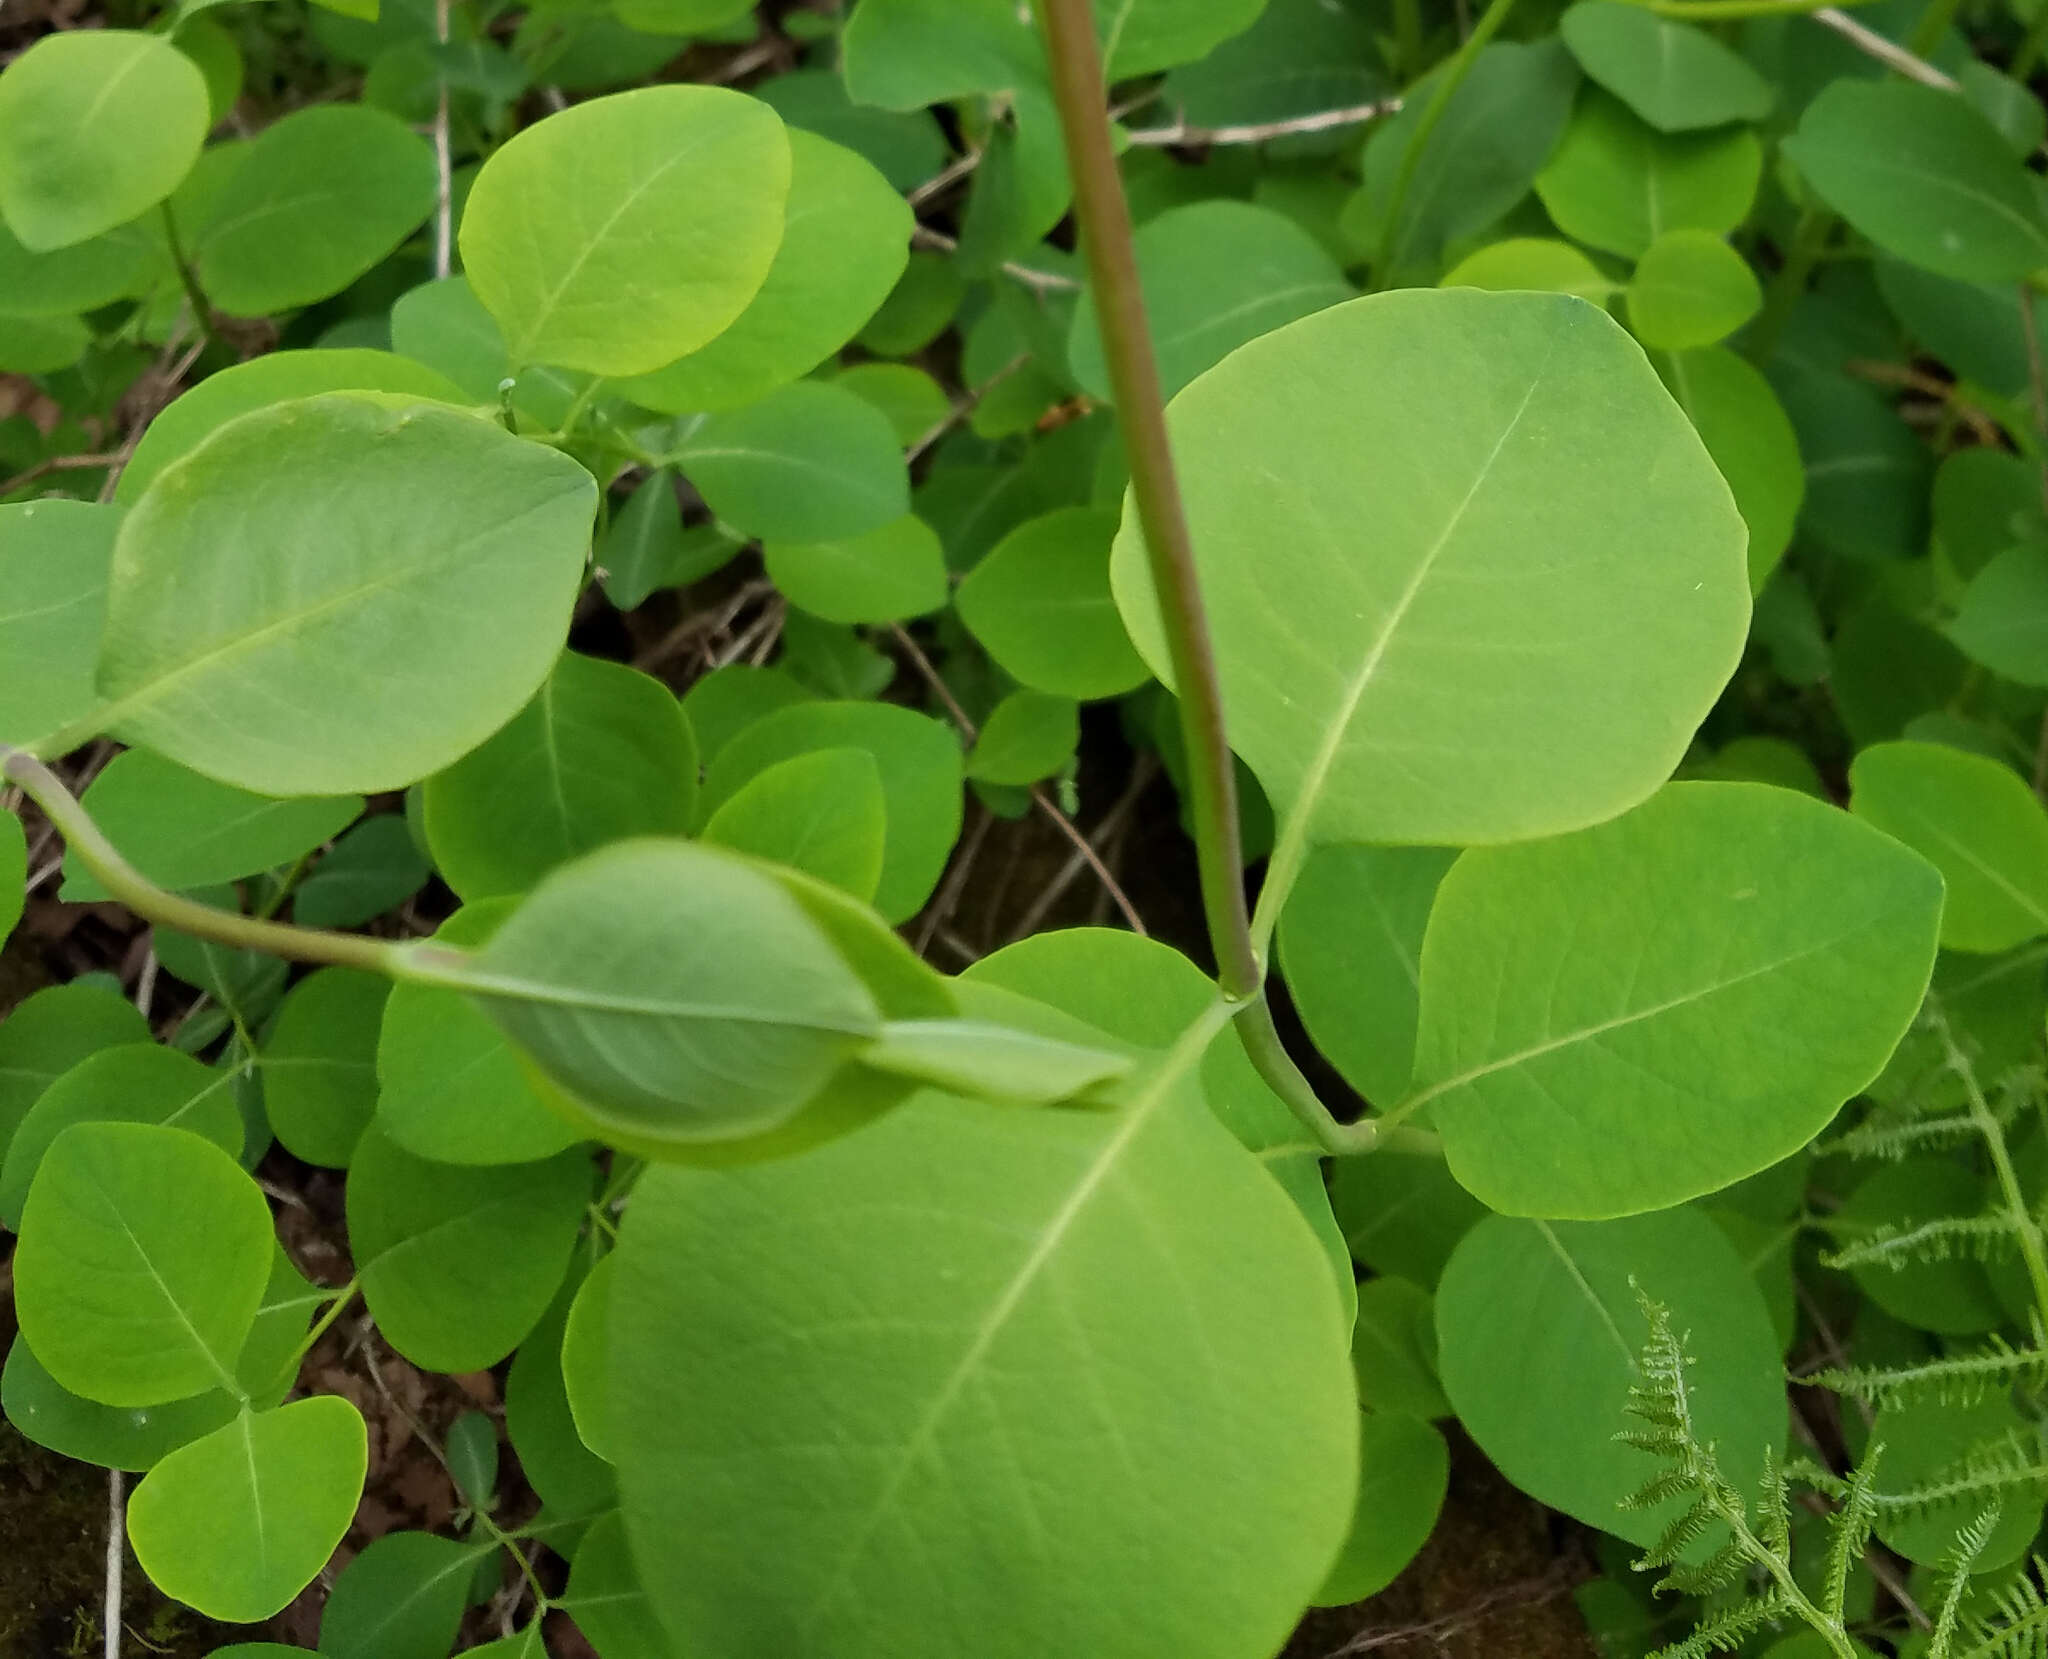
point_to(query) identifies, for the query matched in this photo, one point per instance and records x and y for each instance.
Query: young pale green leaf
(53, 575)
(1977, 822)
(601, 754)
(920, 766)
(915, 403)
(1041, 604)
(1028, 736)
(2002, 621)
(886, 575)
(1924, 176)
(823, 813)
(1675, 76)
(1351, 948)
(1529, 577)
(142, 1261)
(1690, 288)
(619, 234)
(586, 1361)
(13, 872)
(451, 1087)
(845, 242)
(1535, 262)
(96, 126)
(278, 377)
(1084, 1306)
(49, 1033)
(991, 1062)
(136, 1083)
(676, 990)
(183, 830)
(1621, 1019)
(1404, 1470)
(1749, 435)
(1215, 274)
(402, 1598)
(428, 556)
(808, 463)
(459, 1263)
(444, 326)
(1617, 184)
(320, 1064)
(289, 227)
(238, 1523)
(1539, 1326)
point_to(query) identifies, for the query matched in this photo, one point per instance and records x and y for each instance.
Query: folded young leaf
(991, 1062)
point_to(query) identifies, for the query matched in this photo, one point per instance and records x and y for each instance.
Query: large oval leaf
(287, 597)
(53, 595)
(1090, 1420)
(1528, 578)
(621, 233)
(1621, 1019)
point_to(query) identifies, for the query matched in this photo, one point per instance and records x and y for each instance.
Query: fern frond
(1981, 1237)
(1959, 1379)
(1892, 1136)
(2017, 1626)
(1985, 1474)
(1852, 1526)
(1727, 1630)
(1961, 1558)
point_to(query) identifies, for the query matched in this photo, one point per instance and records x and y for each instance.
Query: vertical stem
(116, 1548)
(1809, 242)
(444, 211)
(1407, 38)
(1105, 222)
(1448, 81)
(202, 313)
(1987, 1126)
(1934, 23)
(2029, 55)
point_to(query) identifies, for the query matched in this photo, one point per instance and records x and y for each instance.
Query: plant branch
(1721, 11)
(146, 899)
(116, 1537)
(444, 197)
(1104, 217)
(1261, 132)
(1906, 61)
(202, 313)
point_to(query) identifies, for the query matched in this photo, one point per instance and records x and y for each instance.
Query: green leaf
(2002, 621)
(1925, 1441)
(1528, 577)
(53, 573)
(1924, 176)
(1041, 605)
(1497, 129)
(1215, 274)
(919, 308)
(1090, 1385)
(238, 1523)
(919, 762)
(601, 754)
(13, 872)
(907, 147)
(1675, 76)
(41, 345)
(586, 1351)
(182, 830)
(136, 1083)
(1866, 469)
(1351, 948)
(1984, 501)
(1539, 262)
(1618, 184)
(1749, 435)
(142, 1261)
(96, 125)
(844, 245)
(81, 277)
(444, 326)
(621, 233)
(886, 575)
(1690, 288)
(320, 1064)
(49, 1033)
(1029, 735)
(458, 1264)
(278, 377)
(915, 403)
(675, 990)
(1624, 1018)
(451, 1088)
(1393, 1350)
(373, 868)
(606, 1600)
(823, 813)
(1952, 1295)
(808, 463)
(1977, 822)
(402, 1598)
(1539, 1327)
(288, 227)
(1404, 1470)
(991, 1062)
(430, 555)
(570, 1479)
(1402, 1216)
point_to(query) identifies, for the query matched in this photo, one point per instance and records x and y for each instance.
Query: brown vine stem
(1104, 218)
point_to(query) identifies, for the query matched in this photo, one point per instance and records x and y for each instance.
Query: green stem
(1104, 217)
(2028, 57)
(1407, 38)
(1993, 1135)
(202, 313)
(342, 1298)
(146, 899)
(1934, 22)
(1261, 1039)
(1448, 82)
(1809, 242)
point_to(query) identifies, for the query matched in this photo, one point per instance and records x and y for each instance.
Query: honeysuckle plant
(1500, 500)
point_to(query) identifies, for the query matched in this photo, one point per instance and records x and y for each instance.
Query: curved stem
(1105, 221)
(1448, 82)
(1261, 1040)
(146, 899)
